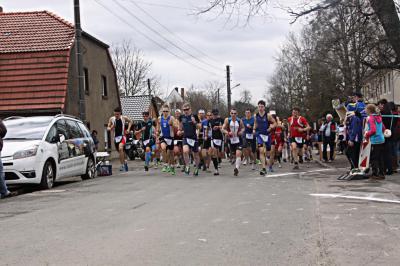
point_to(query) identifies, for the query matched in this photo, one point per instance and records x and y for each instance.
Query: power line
(162, 36)
(155, 42)
(165, 5)
(171, 32)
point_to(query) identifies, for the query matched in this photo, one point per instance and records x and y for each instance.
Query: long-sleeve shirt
(355, 129)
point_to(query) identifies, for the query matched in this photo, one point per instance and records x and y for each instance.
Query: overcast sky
(248, 50)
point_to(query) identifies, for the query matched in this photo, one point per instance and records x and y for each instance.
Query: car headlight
(25, 153)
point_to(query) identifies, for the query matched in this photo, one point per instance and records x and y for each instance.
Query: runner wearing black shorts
(189, 123)
(214, 126)
(233, 128)
(147, 129)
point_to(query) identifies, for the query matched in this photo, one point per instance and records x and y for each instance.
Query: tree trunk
(387, 15)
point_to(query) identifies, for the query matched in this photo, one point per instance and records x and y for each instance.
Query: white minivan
(43, 149)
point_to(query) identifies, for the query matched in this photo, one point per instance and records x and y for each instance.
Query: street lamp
(237, 85)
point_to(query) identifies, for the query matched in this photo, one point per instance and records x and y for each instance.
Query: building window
(86, 80)
(104, 86)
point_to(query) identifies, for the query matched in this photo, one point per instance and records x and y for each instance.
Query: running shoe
(187, 170)
(216, 172)
(258, 162)
(204, 167)
(270, 169)
(244, 162)
(126, 166)
(301, 159)
(164, 169)
(172, 171)
(196, 172)
(296, 166)
(280, 165)
(146, 168)
(122, 168)
(236, 172)
(263, 171)
(253, 166)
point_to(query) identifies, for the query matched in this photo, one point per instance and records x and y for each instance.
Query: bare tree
(131, 67)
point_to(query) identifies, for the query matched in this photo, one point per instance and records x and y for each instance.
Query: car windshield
(27, 128)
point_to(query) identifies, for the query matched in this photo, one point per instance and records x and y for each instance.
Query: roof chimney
(183, 93)
(177, 89)
(1, 9)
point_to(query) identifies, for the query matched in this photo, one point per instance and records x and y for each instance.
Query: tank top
(119, 125)
(247, 122)
(262, 124)
(165, 127)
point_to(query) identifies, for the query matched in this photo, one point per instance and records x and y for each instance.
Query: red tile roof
(34, 31)
(34, 61)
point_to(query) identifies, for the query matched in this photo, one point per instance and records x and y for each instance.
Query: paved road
(139, 218)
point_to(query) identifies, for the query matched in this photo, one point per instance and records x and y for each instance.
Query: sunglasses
(165, 111)
(186, 109)
(233, 113)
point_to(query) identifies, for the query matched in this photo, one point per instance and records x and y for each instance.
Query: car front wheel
(90, 169)
(48, 176)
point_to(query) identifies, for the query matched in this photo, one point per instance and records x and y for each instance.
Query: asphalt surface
(304, 217)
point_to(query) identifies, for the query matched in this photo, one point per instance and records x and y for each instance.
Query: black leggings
(377, 159)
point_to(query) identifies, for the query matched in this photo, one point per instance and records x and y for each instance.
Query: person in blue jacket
(357, 104)
(354, 138)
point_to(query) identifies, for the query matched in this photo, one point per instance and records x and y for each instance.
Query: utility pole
(149, 86)
(228, 86)
(218, 99)
(78, 36)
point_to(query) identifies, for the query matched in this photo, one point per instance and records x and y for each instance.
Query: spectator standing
(342, 138)
(386, 109)
(3, 187)
(329, 130)
(354, 139)
(95, 139)
(374, 133)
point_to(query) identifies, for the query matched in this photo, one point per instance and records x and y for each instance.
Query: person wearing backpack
(374, 134)
(4, 192)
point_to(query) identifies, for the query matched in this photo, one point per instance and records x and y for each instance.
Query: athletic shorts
(207, 144)
(261, 142)
(166, 140)
(194, 147)
(215, 142)
(150, 143)
(178, 143)
(250, 143)
(201, 142)
(119, 140)
(236, 146)
(298, 141)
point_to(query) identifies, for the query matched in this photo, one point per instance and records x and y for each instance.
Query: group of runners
(194, 141)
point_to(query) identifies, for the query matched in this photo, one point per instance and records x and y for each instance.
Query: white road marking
(355, 197)
(266, 232)
(302, 173)
(202, 240)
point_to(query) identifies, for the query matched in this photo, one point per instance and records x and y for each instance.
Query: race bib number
(299, 140)
(235, 140)
(145, 142)
(118, 139)
(249, 136)
(168, 141)
(176, 142)
(217, 142)
(264, 137)
(191, 142)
